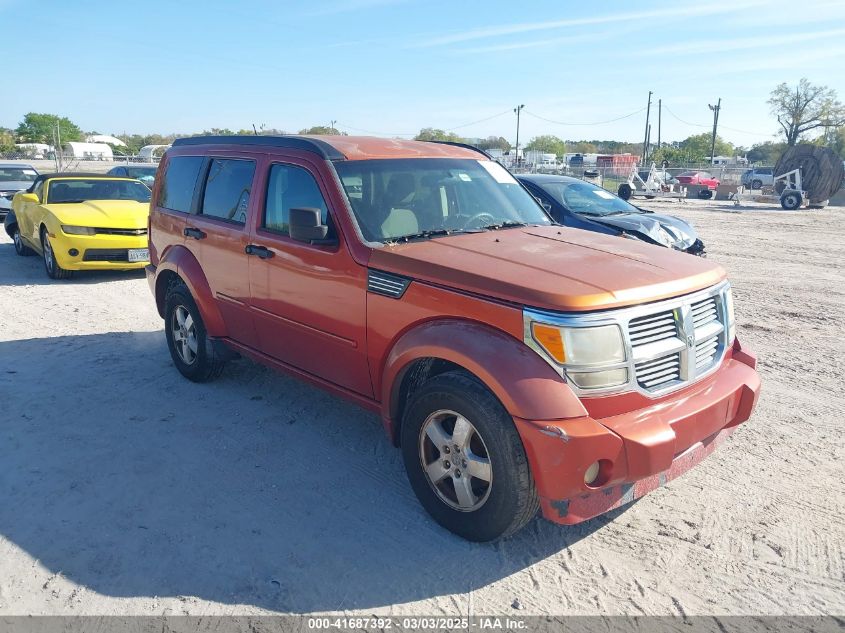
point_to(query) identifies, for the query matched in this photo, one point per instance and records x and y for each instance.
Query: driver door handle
(260, 251)
(194, 233)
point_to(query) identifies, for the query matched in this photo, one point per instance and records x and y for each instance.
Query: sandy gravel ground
(125, 489)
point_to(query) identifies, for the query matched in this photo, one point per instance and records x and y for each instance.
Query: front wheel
(190, 347)
(54, 271)
(465, 460)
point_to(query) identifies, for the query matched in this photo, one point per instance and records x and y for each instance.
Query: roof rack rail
(308, 144)
(464, 145)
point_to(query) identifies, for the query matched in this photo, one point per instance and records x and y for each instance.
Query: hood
(648, 224)
(14, 185)
(551, 267)
(110, 214)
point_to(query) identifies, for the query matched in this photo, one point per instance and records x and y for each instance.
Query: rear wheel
(756, 184)
(190, 347)
(791, 201)
(20, 248)
(465, 459)
(54, 271)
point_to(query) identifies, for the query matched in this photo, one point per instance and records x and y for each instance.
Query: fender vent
(387, 284)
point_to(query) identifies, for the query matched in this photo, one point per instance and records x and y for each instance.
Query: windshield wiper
(430, 233)
(507, 224)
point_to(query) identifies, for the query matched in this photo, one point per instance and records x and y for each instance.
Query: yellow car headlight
(588, 356)
(78, 230)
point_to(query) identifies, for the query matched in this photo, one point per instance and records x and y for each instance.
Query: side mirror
(305, 225)
(28, 197)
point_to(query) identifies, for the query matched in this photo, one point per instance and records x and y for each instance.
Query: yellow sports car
(82, 222)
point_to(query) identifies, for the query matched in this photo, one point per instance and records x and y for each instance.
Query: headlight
(729, 308)
(588, 356)
(78, 230)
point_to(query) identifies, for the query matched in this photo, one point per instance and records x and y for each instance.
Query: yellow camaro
(82, 222)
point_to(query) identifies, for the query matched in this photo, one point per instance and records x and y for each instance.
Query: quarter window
(290, 187)
(179, 183)
(227, 189)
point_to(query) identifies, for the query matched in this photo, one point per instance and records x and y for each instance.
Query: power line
(450, 128)
(724, 127)
(489, 118)
(542, 118)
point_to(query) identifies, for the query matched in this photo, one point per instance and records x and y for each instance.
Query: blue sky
(391, 67)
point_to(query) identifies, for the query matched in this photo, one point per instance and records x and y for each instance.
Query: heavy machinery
(654, 186)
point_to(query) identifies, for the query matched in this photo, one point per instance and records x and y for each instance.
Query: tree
(766, 153)
(323, 130)
(804, 108)
(39, 128)
(434, 134)
(494, 142)
(697, 147)
(546, 143)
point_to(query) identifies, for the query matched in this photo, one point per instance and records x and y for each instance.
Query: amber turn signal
(551, 340)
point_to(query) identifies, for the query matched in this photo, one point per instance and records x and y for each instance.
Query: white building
(105, 138)
(88, 151)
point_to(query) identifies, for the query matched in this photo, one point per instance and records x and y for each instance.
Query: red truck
(518, 364)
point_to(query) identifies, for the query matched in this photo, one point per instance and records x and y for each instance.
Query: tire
(20, 248)
(791, 201)
(183, 323)
(54, 271)
(756, 184)
(507, 499)
(625, 191)
(705, 194)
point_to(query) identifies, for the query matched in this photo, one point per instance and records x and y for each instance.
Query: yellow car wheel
(54, 271)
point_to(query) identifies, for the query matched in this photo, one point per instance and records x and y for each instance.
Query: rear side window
(289, 188)
(227, 189)
(179, 182)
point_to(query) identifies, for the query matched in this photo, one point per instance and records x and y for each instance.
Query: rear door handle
(194, 233)
(261, 251)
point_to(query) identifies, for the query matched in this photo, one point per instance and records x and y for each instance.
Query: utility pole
(659, 120)
(715, 109)
(517, 110)
(647, 141)
(645, 137)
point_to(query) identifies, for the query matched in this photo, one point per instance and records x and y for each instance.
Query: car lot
(136, 492)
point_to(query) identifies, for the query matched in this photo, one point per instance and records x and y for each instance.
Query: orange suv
(517, 363)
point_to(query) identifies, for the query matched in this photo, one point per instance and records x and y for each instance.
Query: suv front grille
(668, 344)
(673, 347)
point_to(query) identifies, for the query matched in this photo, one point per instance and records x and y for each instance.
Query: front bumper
(639, 450)
(62, 243)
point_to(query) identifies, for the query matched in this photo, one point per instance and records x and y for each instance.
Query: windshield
(418, 197)
(587, 199)
(80, 190)
(141, 172)
(17, 174)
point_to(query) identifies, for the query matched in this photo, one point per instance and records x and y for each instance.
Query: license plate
(139, 254)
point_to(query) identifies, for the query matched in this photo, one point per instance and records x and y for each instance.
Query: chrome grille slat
(668, 344)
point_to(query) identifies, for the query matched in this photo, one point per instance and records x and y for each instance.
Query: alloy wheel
(184, 335)
(455, 460)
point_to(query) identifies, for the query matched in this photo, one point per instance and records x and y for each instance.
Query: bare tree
(805, 107)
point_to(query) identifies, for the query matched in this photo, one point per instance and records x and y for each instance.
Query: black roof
(541, 178)
(315, 145)
(464, 145)
(69, 174)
